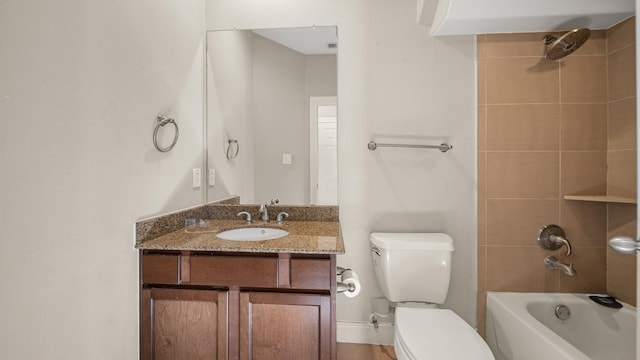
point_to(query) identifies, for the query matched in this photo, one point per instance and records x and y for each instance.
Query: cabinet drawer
(160, 269)
(247, 271)
(311, 274)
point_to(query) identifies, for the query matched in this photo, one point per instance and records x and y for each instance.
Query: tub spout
(552, 263)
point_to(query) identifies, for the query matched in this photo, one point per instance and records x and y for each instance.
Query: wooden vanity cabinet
(208, 305)
(183, 324)
(284, 326)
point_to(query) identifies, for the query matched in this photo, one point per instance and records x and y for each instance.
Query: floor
(365, 352)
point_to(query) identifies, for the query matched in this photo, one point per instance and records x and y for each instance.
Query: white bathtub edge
(523, 329)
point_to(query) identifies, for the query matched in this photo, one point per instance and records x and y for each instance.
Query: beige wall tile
(481, 315)
(584, 172)
(585, 223)
(622, 73)
(527, 80)
(515, 44)
(512, 268)
(482, 223)
(621, 269)
(596, 45)
(523, 127)
(621, 178)
(591, 269)
(583, 79)
(482, 82)
(621, 220)
(622, 124)
(482, 288)
(482, 199)
(621, 276)
(522, 175)
(516, 222)
(481, 41)
(482, 128)
(482, 269)
(621, 35)
(583, 126)
(531, 44)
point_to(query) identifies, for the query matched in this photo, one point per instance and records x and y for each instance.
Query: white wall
(283, 81)
(82, 83)
(394, 81)
(321, 79)
(397, 82)
(279, 122)
(255, 14)
(229, 99)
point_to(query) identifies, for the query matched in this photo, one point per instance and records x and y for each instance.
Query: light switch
(286, 159)
(212, 177)
(195, 178)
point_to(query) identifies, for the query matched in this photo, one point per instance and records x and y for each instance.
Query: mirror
(271, 115)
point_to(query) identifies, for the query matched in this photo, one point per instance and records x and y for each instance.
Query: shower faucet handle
(552, 237)
(561, 240)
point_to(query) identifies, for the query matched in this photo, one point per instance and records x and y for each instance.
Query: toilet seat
(425, 334)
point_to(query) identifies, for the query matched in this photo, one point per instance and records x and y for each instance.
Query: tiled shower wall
(547, 129)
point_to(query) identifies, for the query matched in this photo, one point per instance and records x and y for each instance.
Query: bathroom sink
(252, 234)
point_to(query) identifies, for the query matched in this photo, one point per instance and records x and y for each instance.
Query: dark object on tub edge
(608, 301)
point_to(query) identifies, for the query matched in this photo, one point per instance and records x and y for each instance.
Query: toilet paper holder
(342, 287)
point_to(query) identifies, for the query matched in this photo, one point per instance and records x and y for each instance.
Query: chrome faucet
(247, 215)
(264, 210)
(550, 262)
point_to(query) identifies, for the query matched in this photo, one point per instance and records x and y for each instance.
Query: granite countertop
(308, 237)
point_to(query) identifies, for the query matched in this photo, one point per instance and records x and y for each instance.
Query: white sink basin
(252, 234)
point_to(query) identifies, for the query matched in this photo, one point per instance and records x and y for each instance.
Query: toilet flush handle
(376, 251)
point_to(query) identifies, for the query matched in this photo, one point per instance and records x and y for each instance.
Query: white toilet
(413, 270)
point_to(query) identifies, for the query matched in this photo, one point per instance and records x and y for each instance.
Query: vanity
(202, 297)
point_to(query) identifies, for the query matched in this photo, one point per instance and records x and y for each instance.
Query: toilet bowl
(438, 334)
(416, 268)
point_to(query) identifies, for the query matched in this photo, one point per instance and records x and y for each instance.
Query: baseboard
(364, 333)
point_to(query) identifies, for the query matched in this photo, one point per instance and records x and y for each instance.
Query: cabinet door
(284, 326)
(183, 324)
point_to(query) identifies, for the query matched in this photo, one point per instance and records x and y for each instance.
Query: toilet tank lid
(412, 241)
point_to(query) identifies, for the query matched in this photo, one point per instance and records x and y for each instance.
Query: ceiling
(306, 40)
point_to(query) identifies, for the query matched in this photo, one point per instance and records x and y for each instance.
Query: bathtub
(523, 326)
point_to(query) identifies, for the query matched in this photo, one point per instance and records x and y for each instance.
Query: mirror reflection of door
(323, 150)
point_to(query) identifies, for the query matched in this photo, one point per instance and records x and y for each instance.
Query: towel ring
(162, 121)
(232, 154)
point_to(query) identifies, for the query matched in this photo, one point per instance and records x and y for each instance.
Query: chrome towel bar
(442, 147)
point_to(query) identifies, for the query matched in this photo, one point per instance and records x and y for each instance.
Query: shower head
(557, 48)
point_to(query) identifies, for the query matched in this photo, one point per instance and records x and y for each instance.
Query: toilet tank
(412, 266)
